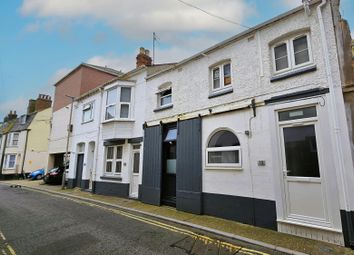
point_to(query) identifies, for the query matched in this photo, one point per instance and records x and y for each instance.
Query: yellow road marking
(159, 224)
(7, 245)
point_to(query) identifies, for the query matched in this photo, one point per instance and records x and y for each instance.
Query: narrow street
(37, 223)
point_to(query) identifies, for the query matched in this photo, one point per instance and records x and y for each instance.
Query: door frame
(132, 174)
(328, 178)
(78, 184)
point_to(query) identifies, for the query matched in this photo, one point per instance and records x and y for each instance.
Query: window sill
(221, 92)
(117, 120)
(237, 168)
(165, 107)
(111, 177)
(85, 122)
(293, 73)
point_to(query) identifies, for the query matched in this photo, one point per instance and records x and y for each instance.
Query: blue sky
(41, 40)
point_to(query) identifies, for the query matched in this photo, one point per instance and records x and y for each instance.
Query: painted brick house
(254, 129)
(80, 80)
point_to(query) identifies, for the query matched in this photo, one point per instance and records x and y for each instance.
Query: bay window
(118, 109)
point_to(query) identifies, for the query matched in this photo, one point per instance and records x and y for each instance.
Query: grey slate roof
(17, 127)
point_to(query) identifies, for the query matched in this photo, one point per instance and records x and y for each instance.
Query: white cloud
(139, 18)
(32, 27)
(58, 75)
(123, 63)
(19, 105)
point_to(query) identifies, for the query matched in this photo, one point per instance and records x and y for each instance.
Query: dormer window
(23, 119)
(221, 76)
(292, 53)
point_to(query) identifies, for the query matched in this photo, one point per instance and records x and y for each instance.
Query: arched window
(224, 150)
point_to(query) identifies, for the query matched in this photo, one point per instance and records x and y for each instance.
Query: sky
(42, 40)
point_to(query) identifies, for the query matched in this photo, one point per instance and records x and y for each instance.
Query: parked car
(54, 176)
(37, 174)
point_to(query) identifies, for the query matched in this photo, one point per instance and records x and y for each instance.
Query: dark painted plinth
(85, 184)
(348, 227)
(111, 189)
(71, 183)
(252, 211)
(189, 201)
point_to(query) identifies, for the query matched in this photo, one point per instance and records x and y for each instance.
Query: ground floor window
(223, 150)
(114, 157)
(10, 161)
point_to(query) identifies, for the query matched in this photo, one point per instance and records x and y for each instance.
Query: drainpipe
(334, 118)
(3, 154)
(24, 155)
(97, 140)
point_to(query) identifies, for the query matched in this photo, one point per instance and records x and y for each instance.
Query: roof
(20, 127)
(233, 39)
(99, 68)
(6, 127)
(150, 70)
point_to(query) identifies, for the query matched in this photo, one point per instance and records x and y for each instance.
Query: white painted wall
(58, 136)
(19, 151)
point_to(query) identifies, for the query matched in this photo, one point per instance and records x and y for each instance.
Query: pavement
(208, 230)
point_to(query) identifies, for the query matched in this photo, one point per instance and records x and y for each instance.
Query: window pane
(124, 110)
(280, 51)
(281, 63)
(110, 151)
(298, 114)
(301, 151)
(227, 74)
(171, 166)
(223, 138)
(301, 50)
(281, 57)
(166, 92)
(216, 78)
(171, 135)
(136, 162)
(166, 100)
(223, 157)
(125, 94)
(87, 115)
(109, 167)
(110, 112)
(118, 167)
(119, 152)
(111, 96)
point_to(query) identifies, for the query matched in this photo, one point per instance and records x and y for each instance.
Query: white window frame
(114, 161)
(7, 165)
(118, 104)
(224, 165)
(291, 54)
(221, 76)
(91, 108)
(10, 139)
(160, 97)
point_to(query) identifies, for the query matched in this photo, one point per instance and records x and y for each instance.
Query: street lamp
(67, 141)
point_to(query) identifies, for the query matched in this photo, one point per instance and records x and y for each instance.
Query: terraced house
(24, 139)
(254, 129)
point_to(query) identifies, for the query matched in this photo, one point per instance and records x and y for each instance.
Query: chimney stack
(10, 116)
(42, 102)
(31, 106)
(143, 58)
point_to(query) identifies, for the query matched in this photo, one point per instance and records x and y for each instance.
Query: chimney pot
(143, 58)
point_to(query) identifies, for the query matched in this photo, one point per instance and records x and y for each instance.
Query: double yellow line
(7, 249)
(205, 239)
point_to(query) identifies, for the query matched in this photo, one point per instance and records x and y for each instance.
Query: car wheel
(38, 177)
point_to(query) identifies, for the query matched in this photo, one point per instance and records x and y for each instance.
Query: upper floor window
(165, 97)
(114, 157)
(292, 53)
(23, 119)
(221, 76)
(87, 112)
(118, 108)
(12, 139)
(10, 161)
(223, 150)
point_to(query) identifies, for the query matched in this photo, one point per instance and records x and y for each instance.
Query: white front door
(304, 191)
(134, 183)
